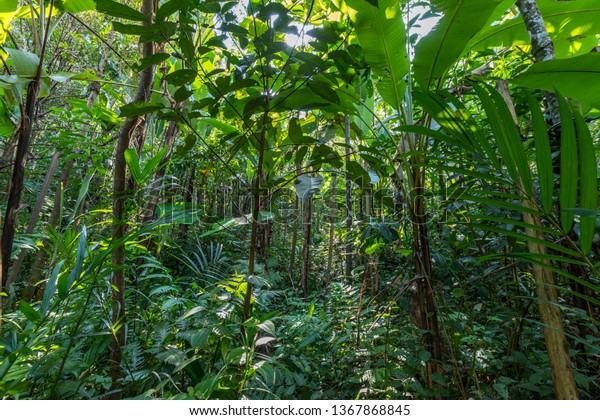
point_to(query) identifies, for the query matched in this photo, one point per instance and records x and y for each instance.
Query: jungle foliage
(279, 199)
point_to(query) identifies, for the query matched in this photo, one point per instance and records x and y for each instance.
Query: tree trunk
(542, 47)
(18, 175)
(425, 295)
(256, 197)
(306, 227)
(295, 229)
(265, 233)
(119, 217)
(348, 250)
(187, 196)
(331, 230)
(34, 217)
(556, 343)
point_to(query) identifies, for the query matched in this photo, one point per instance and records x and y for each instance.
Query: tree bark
(307, 225)
(18, 175)
(295, 229)
(256, 198)
(187, 196)
(348, 250)
(563, 380)
(541, 46)
(119, 214)
(34, 217)
(331, 230)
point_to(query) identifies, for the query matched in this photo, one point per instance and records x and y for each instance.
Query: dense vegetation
(299, 199)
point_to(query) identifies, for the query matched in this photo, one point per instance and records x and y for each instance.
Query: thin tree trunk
(295, 228)
(423, 301)
(425, 295)
(256, 196)
(119, 215)
(265, 234)
(550, 312)
(331, 230)
(306, 225)
(371, 259)
(556, 343)
(542, 47)
(348, 250)
(34, 217)
(188, 193)
(18, 175)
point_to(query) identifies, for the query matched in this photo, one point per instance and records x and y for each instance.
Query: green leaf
(153, 164)
(9, 6)
(358, 174)
(577, 78)
(185, 363)
(209, 384)
(424, 356)
(523, 237)
(457, 121)
(295, 131)
(188, 143)
(572, 25)
(75, 6)
(29, 312)
(26, 63)
(568, 164)
(119, 10)
(8, 10)
(133, 164)
(151, 61)
(588, 175)
(181, 77)
(441, 47)
(324, 92)
(216, 123)
(80, 255)
(158, 32)
(7, 125)
(83, 190)
(170, 7)
(513, 139)
(382, 36)
(61, 77)
(389, 234)
(507, 136)
(543, 155)
(136, 109)
(50, 288)
(502, 390)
